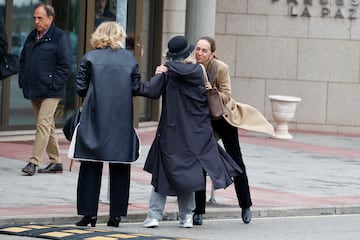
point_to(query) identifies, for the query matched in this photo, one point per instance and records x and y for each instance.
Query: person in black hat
(184, 146)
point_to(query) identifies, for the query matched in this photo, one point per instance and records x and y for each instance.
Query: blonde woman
(105, 132)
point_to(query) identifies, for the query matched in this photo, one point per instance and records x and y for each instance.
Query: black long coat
(106, 131)
(3, 39)
(184, 146)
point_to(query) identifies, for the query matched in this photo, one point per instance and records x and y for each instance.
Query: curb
(228, 213)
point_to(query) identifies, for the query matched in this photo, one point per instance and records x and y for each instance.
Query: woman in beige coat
(236, 116)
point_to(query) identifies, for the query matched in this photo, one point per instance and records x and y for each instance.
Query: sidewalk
(314, 174)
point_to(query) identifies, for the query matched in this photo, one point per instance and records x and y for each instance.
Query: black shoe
(114, 221)
(197, 219)
(246, 215)
(52, 168)
(29, 169)
(86, 220)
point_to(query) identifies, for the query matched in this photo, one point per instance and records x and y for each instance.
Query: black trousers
(89, 184)
(230, 138)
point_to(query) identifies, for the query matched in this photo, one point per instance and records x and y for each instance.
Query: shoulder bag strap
(205, 73)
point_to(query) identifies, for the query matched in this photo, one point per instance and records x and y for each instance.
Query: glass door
(67, 17)
(144, 28)
(137, 19)
(19, 109)
(79, 19)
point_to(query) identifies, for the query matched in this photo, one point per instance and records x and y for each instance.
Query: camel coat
(237, 114)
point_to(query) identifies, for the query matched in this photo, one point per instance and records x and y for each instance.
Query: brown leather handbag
(216, 106)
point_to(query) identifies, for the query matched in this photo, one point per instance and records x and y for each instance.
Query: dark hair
(209, 40)
(48, 9)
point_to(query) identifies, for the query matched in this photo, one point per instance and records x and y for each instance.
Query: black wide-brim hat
(179, 48)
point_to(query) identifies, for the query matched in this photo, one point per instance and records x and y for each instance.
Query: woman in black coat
(3, 43)
(3, 39)
(105, 132)
(184, 146)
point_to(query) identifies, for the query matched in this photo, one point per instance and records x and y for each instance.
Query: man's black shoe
(197, 219)
(52, 168)
(246, 215)
(29, 169)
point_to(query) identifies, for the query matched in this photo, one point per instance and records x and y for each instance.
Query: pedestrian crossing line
(49, 231)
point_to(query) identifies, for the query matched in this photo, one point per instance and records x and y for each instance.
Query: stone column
(200, 19)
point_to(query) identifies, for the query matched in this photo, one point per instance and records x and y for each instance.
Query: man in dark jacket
(45, 66)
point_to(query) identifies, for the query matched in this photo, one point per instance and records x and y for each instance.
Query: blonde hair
(108, 34)
(191, 58)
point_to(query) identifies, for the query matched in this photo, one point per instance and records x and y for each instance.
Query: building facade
(140, 18)
(304, 48)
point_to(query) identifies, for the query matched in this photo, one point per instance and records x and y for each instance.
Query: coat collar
(48, 34)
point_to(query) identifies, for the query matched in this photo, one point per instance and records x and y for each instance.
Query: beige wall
(316, 58)
(270, 52)
(174, 20)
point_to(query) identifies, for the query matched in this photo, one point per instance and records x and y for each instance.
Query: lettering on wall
(340, 8)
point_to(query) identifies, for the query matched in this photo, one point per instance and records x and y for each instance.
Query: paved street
(335, 227)
(311, 175)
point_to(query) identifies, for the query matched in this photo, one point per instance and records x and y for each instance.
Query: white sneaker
(150, 223)
(187, 222)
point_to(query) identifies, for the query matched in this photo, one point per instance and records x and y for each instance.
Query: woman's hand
(160, 69)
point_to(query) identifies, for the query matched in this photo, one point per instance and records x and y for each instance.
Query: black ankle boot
(246, 215)
(114, 221)
(197, 219)
(86, 220)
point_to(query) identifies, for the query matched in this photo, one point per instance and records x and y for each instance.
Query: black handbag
(71, 123)
(9, 65)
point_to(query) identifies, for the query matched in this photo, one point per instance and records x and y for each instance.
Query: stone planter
(283, 111)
